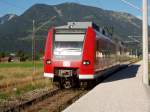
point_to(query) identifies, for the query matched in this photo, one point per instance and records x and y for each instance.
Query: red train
(79, 52)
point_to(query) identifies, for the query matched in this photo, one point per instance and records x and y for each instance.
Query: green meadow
(19, 72)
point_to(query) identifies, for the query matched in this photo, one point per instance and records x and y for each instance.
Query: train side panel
(105, 55)
(48, 65)
(88, 55)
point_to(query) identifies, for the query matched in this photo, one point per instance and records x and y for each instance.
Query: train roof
(78, 25)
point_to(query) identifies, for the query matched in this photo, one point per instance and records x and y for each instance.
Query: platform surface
(121, 92)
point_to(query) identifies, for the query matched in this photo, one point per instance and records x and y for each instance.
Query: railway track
(27, 101)
(58, 102)
(54, 99)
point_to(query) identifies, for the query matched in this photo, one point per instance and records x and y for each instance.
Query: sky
(19, 6)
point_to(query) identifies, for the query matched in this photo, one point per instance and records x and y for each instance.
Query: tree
(2, 54)
(22, 55)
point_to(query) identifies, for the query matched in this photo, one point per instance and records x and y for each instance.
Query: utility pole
(34, 31)
(33, 48)
(145, 37)
(136, 53)
(131, 53)
(145, 42)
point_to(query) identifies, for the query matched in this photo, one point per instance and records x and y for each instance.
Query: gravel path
(122, 92)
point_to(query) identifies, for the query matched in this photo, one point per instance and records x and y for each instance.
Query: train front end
(69, 55)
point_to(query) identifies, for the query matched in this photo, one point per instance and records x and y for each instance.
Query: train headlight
(86, 62)
(48, 61)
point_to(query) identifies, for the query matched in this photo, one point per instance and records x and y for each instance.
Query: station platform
(121, 92)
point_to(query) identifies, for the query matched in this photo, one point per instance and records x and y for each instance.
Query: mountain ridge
(20, 27)
(7, 18)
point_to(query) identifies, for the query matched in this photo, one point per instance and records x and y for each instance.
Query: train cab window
(68, 46)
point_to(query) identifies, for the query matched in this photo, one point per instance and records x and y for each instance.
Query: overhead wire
(131, 5)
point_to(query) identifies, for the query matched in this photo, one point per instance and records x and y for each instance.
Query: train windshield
(68, 46)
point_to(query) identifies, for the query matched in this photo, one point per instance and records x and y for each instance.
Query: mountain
(7, 18)
(15, 34)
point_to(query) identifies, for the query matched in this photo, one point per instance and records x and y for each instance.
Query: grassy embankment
(18, 72)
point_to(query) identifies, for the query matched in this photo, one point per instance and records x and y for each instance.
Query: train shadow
(125, 73)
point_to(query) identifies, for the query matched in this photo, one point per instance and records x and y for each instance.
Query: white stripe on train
(50, 75)
(81, 76)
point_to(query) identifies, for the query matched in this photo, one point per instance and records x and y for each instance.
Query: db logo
(66, 63)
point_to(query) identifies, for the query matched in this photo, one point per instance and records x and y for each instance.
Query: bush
(22, 55)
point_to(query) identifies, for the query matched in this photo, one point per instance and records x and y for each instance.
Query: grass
(12, 72)
(19, 90)
(27, 64)
(19, 71)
